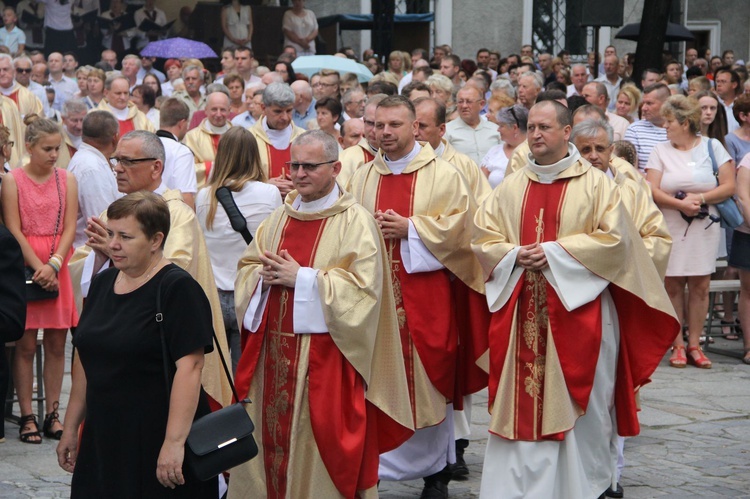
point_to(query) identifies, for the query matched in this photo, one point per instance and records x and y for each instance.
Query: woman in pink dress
(40, 205)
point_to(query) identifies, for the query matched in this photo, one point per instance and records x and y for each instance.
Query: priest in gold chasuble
(580, 320)
(424, 208)
(321, 356)
(204, 139)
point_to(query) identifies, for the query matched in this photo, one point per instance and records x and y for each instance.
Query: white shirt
(97, 186)
(497, 163)
(612, 89)
(179, 167)
(255, 201)
(474, 142)
(245, 120)
(65, 89)
(56, 15)
(12, 39)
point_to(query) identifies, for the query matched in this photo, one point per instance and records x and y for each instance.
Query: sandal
(699, 361)
(746, 358)
(728, 329)
(678, 358)
(49, 420)
(29, 437)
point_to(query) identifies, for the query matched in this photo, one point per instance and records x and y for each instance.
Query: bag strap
(224, 195)
(160, 320)
(713, 160)
(59, 214)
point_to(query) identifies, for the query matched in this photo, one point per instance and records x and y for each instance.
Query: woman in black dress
(132, 443)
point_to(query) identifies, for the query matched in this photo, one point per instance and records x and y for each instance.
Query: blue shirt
(12, 39)
(301, 120)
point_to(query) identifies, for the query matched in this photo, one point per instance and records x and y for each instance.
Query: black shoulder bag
(220, 440)
(34, 291)
(224, 195)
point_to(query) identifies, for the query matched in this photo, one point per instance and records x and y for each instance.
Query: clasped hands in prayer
(531, 257)
(278, 269)
(392, 225)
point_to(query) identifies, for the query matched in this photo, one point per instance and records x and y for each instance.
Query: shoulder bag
(34, 292)
(236, 219)
(731, 216)
(220, 440)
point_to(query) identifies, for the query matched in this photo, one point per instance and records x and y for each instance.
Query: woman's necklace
(143, 279)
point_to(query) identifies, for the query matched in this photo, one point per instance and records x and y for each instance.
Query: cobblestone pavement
(694, 442)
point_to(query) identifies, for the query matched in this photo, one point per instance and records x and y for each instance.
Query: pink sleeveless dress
(38, 205)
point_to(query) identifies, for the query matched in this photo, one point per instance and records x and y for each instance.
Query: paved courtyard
(694, 442)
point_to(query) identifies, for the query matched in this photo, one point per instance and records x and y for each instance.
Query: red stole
(473, 323)
(277, 160)
(126, 126)
(345, 426)
(368, 155)
(71, 150)
(537, 303)
(423, 300)
(14, 97)
(215, 138)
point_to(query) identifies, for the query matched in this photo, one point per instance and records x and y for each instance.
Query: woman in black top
(133, 439)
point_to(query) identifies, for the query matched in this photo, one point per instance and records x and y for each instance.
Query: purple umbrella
(177, 48)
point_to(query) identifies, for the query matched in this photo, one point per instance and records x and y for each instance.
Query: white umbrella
(311, 64)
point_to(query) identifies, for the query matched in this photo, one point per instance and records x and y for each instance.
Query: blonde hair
(37, 128)
(682, 109)
(237, 163)
(633, 95)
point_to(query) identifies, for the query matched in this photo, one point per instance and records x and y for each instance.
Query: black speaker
(602, 13)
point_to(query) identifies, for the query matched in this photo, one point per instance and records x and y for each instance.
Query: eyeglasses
(129, 163)
(23, 70)
(308, 167)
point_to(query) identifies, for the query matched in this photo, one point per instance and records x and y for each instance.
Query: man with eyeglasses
(138, 163)
(423, 206)
(275, 132)
(204, 139)
(26, 102)
(728, 87)
(329, 84)
(469, 133)
(355, 156)
(316, 303)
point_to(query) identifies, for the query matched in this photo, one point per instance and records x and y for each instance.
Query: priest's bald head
(138, 162)
(314, 164)
(548, 132)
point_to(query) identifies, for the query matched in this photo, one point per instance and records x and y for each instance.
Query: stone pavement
(694, 442)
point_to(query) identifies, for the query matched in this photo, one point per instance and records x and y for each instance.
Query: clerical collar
(279, 138)
(76, 141)
(398, 166)
(161, 189)
(9, 90)
(120, 114)
(319, 204)
(548, 173)
(216, 130)
(440, 150)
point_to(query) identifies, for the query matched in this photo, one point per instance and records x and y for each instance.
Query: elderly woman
(511, 123)
(144, 99)
(682, 180)
(442, 89)
(328, 112)
(132, 444)
(628, 102)
(95, 86)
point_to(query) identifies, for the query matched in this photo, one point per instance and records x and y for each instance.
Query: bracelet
(54, 266)
(55, 262)
(703, 200)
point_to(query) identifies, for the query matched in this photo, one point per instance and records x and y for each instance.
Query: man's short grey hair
(577, 65)
(591, 128)
(6, 57)
(193, 67)
(133, 57)
(22, 58)
(151, 146)
(114, 77)
(349, 96)
(505, 85)
(73, 106)
(330, 146)
(278, 94)
(217, 87)
(538, 80)
(100, 126)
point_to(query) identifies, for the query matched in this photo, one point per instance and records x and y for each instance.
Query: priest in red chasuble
(424, 208)
(275, 132)
(580, 320)
(321, 356)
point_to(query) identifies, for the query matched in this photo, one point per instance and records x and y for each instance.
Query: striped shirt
(644, 135)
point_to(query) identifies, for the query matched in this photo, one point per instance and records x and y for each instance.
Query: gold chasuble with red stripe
(325, 405)
(542, 357)
(277, 160)
(437, 201)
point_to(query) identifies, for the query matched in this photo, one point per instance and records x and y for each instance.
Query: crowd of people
(389, 248)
